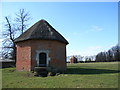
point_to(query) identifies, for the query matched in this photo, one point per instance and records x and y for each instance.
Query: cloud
(1, 41)
(73, 52)
(1, 44)
(96, 28)
(91, 50)
(94, 50)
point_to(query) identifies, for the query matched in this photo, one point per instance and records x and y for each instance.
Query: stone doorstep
(47, 68)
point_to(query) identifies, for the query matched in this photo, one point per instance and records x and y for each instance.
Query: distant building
(73, 60)
(41, 46)
(6, 63)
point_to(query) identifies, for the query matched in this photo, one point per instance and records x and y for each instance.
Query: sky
(89, 27)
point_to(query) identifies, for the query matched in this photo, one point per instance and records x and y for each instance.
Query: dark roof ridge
(41, 30)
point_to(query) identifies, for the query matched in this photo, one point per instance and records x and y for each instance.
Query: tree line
(112, 54)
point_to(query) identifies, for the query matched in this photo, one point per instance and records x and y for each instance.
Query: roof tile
(41, 30)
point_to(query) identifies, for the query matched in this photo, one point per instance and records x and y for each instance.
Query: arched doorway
(42, 59)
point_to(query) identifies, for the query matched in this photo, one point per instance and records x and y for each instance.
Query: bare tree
(12, 31)
(8, 42)
(21, 19)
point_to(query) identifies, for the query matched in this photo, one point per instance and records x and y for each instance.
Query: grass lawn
(81, 75)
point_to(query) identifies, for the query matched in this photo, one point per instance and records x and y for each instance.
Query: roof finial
(42, 20)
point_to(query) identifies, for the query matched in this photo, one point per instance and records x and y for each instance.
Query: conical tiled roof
(41, 30)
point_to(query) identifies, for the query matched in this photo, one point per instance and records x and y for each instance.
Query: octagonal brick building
(41, 46)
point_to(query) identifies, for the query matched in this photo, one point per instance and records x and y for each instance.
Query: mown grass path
(81, 75)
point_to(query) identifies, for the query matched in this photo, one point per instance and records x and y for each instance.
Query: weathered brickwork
(27, 54)
(23, 56)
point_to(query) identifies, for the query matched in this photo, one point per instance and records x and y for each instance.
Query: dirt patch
(11, 70)
(29, 75)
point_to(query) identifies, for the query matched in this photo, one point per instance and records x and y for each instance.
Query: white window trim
(47, 58)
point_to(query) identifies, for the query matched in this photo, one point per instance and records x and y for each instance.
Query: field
(81, 75)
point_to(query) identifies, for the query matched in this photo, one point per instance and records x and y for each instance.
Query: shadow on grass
(89, 71)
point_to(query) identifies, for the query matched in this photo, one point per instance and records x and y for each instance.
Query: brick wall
(26, 54)
(73, 60)
(23, 56)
